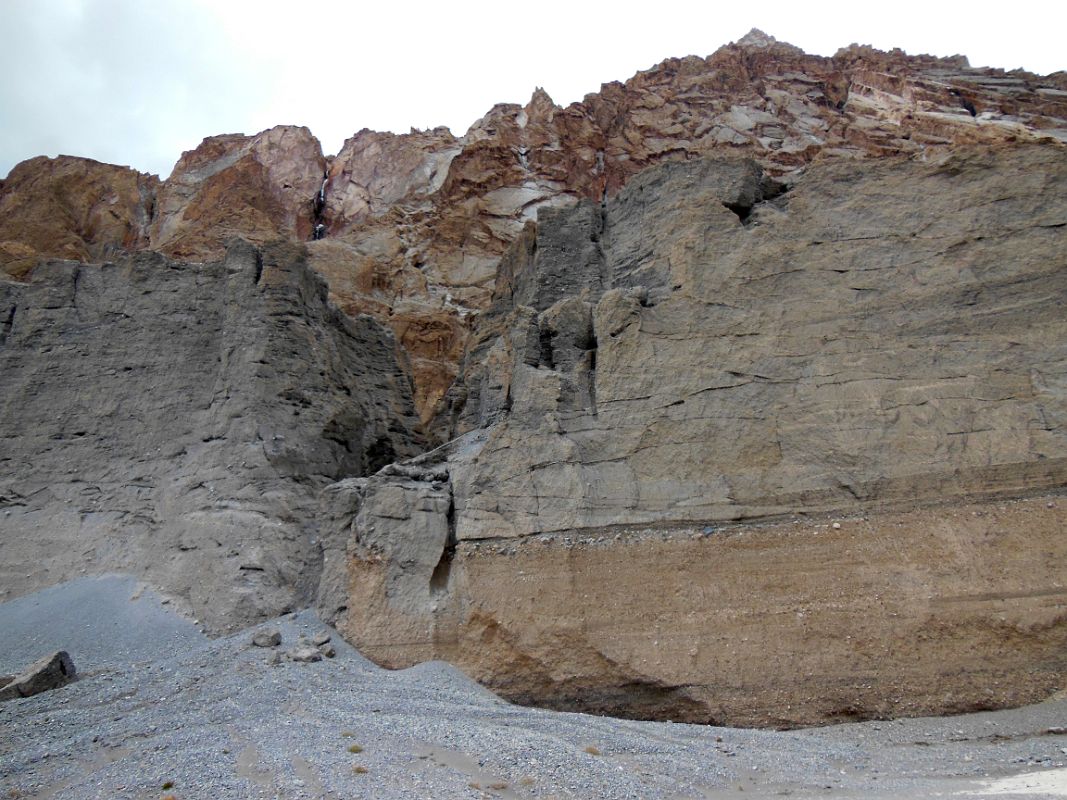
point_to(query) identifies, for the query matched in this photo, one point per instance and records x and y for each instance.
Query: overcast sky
(138, 81)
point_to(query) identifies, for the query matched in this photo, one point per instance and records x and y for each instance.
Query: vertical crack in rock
(74, 285)
(257, 273)
(318, 206)
(8, 324)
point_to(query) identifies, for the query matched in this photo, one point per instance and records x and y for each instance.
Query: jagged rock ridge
(416, 223)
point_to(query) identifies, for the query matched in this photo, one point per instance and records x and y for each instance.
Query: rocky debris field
(160, 711)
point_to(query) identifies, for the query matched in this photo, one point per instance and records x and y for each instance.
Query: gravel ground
(159, 710)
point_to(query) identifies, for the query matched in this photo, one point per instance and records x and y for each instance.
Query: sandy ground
(161, 711)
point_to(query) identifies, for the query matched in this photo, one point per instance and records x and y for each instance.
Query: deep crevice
(770, 192)
(545, 358)
(318, 209)
(742, 210)
(442, 573)
(74, 292)
(379, 454)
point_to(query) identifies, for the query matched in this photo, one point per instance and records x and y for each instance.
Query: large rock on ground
(177, 421)
(50, 672)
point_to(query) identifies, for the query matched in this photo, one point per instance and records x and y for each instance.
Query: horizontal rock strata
(890, 614)
(658, 332)
(713, 345)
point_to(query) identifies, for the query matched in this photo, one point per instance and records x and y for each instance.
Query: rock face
(416, 223)
(710, 346)
(695, 351)
(71, 208)
(261, 188)
(663, 333)
(176, 421)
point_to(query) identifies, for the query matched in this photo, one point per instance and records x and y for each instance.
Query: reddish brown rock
(260, 187)
(438, 237)
(73, 208)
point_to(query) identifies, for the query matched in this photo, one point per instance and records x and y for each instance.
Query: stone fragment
(270, 637)
(328, 650)
(304, 655)
(50, 672)
(320, 638)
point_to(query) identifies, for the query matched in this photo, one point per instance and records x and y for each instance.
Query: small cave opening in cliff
(379, 454)
(443, 571)
(742, 210)
(965, 103)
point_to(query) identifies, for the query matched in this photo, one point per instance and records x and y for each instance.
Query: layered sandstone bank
(711, 346)
(176, 421)
(930, 611)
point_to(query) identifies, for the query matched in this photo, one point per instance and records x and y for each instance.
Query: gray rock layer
(705, 347)
(176, 421)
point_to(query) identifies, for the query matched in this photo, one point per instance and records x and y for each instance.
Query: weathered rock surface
(733, 289)
(708, 346)
(176, 421)
(416, 223)
(882, 331)
(50, 672)
(72, 208)
(930, 611)
(261, 187)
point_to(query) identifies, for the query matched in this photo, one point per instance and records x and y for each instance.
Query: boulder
(270, 637)
(50, 672)
(304, 654)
